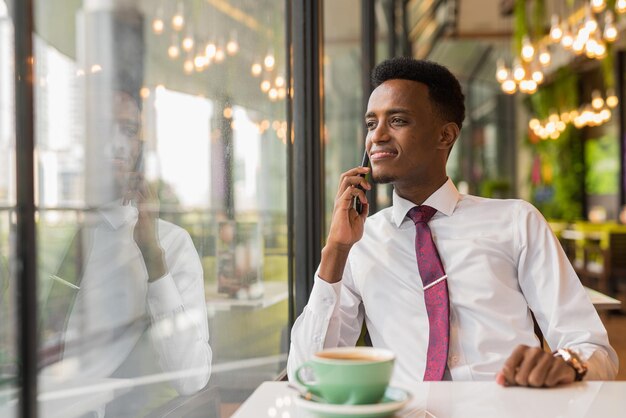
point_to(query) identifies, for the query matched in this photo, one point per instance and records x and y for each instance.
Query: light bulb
(568, 40)
(219, 54)
(232, 47)
(173, 51)
(157, 26)
(611, 98)
(620, 6)
(597, 5)
(531, 86)
(188, 43)
(256, 69)
(538, 76)
(556, 32)
(509, 86)
(528, 51)
(273, 94)
(269, 62)
(210, 50)
(188, 66)
(178, 21)
(279, 81)
(610, 31)
(596, 100)
(533, 123)
(265, 86)
(502, 73)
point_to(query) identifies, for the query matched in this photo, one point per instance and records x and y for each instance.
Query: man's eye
(370, 124)
(397, 121)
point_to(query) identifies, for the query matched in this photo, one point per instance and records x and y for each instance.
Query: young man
(446, 281)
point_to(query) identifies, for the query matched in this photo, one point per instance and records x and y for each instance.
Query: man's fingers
(560, 372)
(529, 361)
(537, 376)
(346, 199)
(512, 363)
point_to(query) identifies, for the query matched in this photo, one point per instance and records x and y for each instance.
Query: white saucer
(394, 400)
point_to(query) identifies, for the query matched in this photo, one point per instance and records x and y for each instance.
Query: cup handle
(308, 384)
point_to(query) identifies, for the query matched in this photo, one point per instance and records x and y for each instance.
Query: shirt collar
(444, 199)
(117, 214)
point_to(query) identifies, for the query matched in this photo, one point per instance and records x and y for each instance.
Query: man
(136, 305)
(448, 282)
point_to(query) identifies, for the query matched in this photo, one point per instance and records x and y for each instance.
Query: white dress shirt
(116, 305)
(502, 261)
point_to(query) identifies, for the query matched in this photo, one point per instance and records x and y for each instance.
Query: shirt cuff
(324, 297)
(163, 297)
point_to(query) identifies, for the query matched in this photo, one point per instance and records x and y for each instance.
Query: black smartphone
(357, 202)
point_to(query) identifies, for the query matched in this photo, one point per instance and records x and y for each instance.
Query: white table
(601, 301)
(468, 399)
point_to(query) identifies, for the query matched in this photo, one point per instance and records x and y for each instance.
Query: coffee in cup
(349, 375)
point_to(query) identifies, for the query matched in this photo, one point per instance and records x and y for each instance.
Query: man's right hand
(346, 227)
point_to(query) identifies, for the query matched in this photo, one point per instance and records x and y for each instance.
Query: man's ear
(449, 134)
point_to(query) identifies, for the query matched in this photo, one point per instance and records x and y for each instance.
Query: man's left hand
(532, 366)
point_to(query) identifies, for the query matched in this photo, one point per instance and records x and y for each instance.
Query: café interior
(237, 118)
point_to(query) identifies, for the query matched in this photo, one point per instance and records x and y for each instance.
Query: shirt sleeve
(333, 317)
(177, 307)
(557, 298)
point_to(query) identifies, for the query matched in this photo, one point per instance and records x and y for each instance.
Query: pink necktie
(435, 293)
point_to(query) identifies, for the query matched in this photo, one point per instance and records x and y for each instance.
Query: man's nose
(380, 133)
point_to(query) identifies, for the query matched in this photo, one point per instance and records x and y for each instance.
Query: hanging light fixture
(556, 32)
(502, 73)
(610, 31)
(567, 40)
(597, 5)
(596, 100)
(509, 86)
(256, 69)
(611, 98)
(518, 70)
(157, 23)
(528, 50)
(620, 6)
(178, 20)
(544, 56)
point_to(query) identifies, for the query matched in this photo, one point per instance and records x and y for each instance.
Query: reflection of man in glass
(139, 274)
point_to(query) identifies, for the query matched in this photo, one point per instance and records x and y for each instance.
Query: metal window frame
(26, 244)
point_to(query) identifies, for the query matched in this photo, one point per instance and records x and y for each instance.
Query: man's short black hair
(444, 89)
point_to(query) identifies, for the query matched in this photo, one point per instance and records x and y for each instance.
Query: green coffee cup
(349, 375)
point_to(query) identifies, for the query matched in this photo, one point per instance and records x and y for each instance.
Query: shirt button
(328, 301)
(317, 338)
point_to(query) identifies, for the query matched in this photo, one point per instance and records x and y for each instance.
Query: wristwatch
(573, 360)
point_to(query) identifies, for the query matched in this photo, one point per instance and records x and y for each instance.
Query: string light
(256, 69)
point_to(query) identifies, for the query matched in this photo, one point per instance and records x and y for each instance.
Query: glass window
(161, 196)
(8, 302)
(343, 108)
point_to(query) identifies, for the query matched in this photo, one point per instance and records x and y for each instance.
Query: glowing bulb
(219, 55)
(611, 98)
(502, 73)
(568, 40)
(157, 26)
(256, 69)
(188, 43)
(538, 76)
(620, 6)
(265, 86)
(269, 61)
(188, 66)
(531, 86)
(282, 93)
(556, 33)
(173, 51)
(597, 5)
(528, 51)
(279, 81)
(534, 123)
(210, 50)
(232, 47)
(199, 62)
(144, 92)
(273, 94)
(509, 86)
(178, 21)
(228, 112)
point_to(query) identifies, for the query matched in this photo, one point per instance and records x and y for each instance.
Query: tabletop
(466, 399)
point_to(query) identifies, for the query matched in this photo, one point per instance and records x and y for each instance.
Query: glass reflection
(161, 193)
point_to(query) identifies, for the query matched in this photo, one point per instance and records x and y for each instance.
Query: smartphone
(357, 202)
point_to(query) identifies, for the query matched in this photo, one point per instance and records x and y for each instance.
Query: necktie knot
(422, 213)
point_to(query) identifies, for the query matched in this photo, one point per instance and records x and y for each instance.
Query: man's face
(125, 137)
(403, 133)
